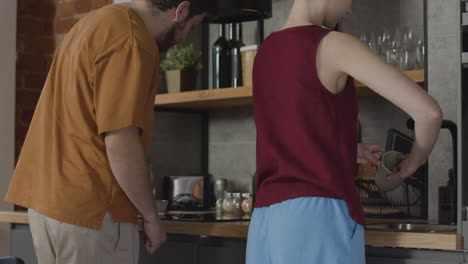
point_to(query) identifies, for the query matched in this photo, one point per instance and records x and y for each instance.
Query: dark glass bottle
(448, 201)
(236, 43)
(240, 37)
(221, 61)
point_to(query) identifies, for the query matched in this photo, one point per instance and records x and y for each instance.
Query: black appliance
(236, 11)
(188, 193)
(448, 193)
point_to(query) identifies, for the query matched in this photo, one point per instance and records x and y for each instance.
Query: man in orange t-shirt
(82, 172)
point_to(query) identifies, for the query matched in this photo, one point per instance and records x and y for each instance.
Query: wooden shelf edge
(203, 96)
(386, 238)
(435, 241)
(14, 217)
(233, 230)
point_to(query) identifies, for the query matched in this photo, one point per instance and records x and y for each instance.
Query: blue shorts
(307, 230)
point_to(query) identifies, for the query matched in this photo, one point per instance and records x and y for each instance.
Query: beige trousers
(60, 243)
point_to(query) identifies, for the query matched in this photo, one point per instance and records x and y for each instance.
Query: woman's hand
(369, 155)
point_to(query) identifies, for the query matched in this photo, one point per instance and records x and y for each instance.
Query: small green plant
(182, 57)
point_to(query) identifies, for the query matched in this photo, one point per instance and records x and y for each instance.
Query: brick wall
(42, 24)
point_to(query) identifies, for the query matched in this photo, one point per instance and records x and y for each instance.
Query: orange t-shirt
(103, 78)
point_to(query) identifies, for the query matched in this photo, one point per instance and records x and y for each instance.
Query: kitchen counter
(380, 238)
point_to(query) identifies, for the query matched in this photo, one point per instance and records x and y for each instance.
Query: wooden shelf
(206, 99)
(240, 96)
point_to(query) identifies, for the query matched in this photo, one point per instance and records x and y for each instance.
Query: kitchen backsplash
(176, 146)
(232, 147)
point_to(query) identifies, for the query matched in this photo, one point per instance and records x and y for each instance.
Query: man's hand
(369, 155)
(155, 233)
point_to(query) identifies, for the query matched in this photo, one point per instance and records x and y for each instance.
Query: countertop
(382, 238)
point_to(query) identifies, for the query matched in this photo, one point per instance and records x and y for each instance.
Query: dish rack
(379, 204)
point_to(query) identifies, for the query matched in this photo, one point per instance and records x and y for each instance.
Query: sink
(414, 227)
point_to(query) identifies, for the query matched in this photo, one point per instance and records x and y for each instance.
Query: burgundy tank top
(306, 136)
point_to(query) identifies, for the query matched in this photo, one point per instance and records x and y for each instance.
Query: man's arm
(128, 164)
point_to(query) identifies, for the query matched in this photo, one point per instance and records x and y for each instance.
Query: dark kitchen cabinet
(221, 251)
(22, 244)
(178, 249)
(385, 255)
(405, 261)
(186, 249)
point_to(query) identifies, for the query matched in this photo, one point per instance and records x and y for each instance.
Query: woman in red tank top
(305, 108)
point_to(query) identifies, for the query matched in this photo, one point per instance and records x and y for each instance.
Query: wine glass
(373, 42)
(409, 39)
(364, 38)
(396, 40)
(420, 54)
(382, 41)
(370, 40)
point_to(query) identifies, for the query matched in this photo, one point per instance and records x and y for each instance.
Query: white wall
(7, 109)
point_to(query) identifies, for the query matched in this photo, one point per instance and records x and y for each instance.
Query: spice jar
(228, 205)
(247, 203)
(237, 203)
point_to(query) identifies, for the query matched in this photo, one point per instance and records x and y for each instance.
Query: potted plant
(181, 65)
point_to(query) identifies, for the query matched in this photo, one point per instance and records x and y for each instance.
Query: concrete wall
(444, 84)
(176, 146)
(7, 110)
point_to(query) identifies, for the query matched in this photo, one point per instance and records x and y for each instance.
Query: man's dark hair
(197, 7)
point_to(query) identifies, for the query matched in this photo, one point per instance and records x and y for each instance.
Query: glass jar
(228, 203)
(247, 203)
(220, 188)
(237, 203)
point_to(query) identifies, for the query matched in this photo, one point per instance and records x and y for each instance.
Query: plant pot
(181, 80)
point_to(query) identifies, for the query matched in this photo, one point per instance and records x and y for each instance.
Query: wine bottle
(236, 43)
(221, 60)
